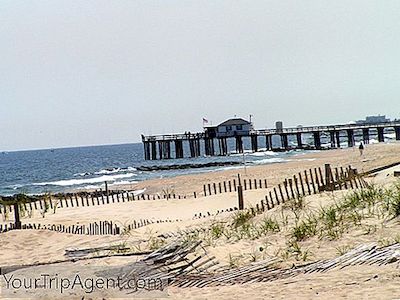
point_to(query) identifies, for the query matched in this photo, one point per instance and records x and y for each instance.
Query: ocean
(66, 169)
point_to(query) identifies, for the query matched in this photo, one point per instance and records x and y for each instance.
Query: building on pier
(233, 127)
(373, 120)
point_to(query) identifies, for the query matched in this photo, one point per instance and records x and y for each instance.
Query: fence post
(107, 195)
(240, 195)
(16, 216)
(328, 177)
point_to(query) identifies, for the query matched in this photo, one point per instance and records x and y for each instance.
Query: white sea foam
(390, 135)
(229, 168)
(82, 174)
(251, 153)
(124, 182)
(70, 182)
(373, 141)
(269, 160)
(114, 170)
(108, 171)
(16, 186)
(264, 153)
(92, 187)
(307, 159)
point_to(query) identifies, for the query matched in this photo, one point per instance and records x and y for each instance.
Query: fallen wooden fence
(186, 264)
(264, 271)
(167, 263)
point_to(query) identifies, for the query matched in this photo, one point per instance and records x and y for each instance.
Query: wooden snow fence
(51, 203)
(167, 264)
(187, 264)
(309, 182)
(228, 186)
(264, 271)
(95, 228)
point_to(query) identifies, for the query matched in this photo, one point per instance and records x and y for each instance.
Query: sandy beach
(374, 156)
(363, 282)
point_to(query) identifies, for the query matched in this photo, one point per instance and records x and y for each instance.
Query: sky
(103, 72)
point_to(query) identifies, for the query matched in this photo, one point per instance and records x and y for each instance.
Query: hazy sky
(101, 72)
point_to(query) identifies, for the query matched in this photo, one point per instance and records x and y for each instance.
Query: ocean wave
(107, 171)
(261, 152)
(390, 135)
(114, 170)
(268, 161)
(92, 187)
(70, 182)
(15, 186)
(82, 174)
(373, 141)
(264, 153)
(306, 159)
(229, 168)
(124, 182)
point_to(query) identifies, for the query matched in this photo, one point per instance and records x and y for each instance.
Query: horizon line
(67, 147)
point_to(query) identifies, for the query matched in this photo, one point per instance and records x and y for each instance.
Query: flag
(205, 121)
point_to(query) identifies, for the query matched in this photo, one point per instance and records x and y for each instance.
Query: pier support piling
(268, 142)
(397, 131)
(337, 133)
(197, 143)
(178, 149)
(223, 147)
(381, 137)
(365, 135)
(239, 144)
(146, 146)
(153, 150)
(317, 139)
(160, 149)
(299, 140)
(167, 149)
(350, 137)
(284, 141)
(254, 142)
(332, 136)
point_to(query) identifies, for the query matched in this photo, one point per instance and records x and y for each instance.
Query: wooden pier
(191, 143)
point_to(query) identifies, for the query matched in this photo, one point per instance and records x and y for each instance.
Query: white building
(233, 127)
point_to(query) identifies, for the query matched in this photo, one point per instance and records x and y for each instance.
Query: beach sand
(374, 155)
(364, 282)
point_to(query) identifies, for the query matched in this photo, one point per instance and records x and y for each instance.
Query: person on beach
(361, 148)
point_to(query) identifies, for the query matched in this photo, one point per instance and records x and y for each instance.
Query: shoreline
(375, 155)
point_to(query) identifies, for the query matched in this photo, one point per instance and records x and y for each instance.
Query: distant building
(279, 126)
(373, 120)
(230, 128)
